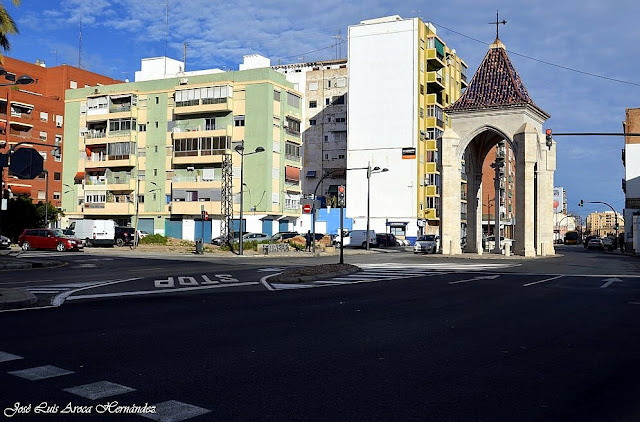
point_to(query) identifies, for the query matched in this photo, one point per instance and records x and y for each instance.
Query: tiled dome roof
(496, 84)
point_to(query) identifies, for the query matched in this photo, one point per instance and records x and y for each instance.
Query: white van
(358, 238)
(93, 232)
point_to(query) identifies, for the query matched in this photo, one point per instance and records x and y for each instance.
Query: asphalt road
(525, 342)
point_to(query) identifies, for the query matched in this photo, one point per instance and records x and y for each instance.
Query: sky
(580, 61)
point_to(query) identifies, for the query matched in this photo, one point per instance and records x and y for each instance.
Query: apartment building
(401, 77)
(631, 181)
(325, 85)
(155, 152)
(35, 112)
(507, 205)
(603, 223)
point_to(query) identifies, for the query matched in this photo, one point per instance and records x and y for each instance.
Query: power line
(543, 61)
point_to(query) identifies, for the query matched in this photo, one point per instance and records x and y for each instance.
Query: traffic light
(341, 197)
(205, 216)
(617, 226)
(549, 138)
(581, 203)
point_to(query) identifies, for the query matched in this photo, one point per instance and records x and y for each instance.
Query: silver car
(5, 242)
(427, 243)
(254, 237)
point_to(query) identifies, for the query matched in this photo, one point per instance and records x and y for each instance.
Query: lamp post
(46, 198)
(313, 208)
(4, 158)
(370, 171)
(240, 150)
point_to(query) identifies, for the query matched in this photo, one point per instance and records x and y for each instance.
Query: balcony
(109, 208)
(195, 183)
(463, 80)
(199, 157)
(431, 214)
(206, 105)
(432, 190)
(201, 132)
(193, 207)
(435, 60)
(103, 162)
(435, 82)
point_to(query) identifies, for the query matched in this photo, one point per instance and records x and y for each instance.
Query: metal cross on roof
(497, 24)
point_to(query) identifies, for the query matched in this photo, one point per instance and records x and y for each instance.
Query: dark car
(587, 239)
(124, 235)
(386, 239)
(48, 239)
(281, 236)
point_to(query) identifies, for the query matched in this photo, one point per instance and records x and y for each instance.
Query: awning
(20, 190)
(292, 173)
(25, 105)
(116, 96)
(3, 125)
(79, 175)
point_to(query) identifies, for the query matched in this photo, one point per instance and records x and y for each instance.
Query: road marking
(633, 303)
(25, 282)
(486, 277)
(272, 269)
(331, 282)
(266, 284)
(59, 299)
(41, 372)
(151, 292)
(174, 411)
(542, 281)
(290, 286)
(99, 390)
(5, 357)
(609, 282)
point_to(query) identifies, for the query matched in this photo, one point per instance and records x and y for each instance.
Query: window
(157, 100)
(327, 101)
(210, 123)
(142, 128)
(313, 86)
(275, 198)
(121, 125)
(292, 151)
(312, 122)
(313, 104)
(73, 84)
(192, 195)
(276, 96)
(341, 120)
(338, 100)
(43, 154)
(341, 82)
(292, 126)
(43, 136)
(157, 125)
(341, 156)
(56, 196)
(293, 100)
(421, 113)
(238, 121)
(40, 194)
(56, 175)
(421, 89)
(59, 120)
(44, 117)
(276, 146)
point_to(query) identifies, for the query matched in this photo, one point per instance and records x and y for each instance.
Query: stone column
(450, 194)
(546, 169)
(526, 139)
(474, 212)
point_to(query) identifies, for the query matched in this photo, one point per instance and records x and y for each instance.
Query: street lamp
(46, 198)
(370, 171)
(240, 150)
(313, 208)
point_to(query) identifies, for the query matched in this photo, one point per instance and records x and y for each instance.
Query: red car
(48, 239)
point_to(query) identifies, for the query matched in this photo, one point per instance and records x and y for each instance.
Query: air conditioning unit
(184, 81)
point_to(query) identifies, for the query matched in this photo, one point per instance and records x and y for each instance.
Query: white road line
(59, 300)
(173, 410)
(266, 284)
(41, 372)
(487, 277)
(542, 281)
(25, 282)
(330, 282)
(609, 282)
(151, 292)
(290, 286)
(5, 357)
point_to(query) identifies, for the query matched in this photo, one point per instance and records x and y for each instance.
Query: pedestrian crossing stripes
(59, 288)
(99, 390)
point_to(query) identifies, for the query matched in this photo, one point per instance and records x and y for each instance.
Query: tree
(7, 26)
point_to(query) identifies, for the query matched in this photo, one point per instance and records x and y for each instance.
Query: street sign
(26, 163)
(306, 209)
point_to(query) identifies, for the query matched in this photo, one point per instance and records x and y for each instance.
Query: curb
(20, 264)
(16, 298)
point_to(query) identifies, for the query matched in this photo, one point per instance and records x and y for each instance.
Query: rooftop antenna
(166, 37)
(338, 38)
(185, 56)
(80, 45)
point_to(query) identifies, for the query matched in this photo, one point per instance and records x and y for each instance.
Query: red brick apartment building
(35, 112)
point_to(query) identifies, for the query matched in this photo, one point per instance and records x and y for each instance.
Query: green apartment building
(155, 149)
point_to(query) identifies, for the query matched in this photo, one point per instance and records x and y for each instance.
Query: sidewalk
(17, 297)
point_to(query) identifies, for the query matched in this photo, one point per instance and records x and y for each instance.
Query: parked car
(359, 238)
(595, 243)
(5, 242)
(608, 243)
(218, 241)
(428, 243)
(48, 239)
(254, 237)
(93, 232)
(280, 236)
(386, 240)
(124, 235)
(490, 242)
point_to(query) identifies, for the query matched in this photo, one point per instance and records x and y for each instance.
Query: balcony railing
(96, 134)
(94, 204)
(120, 132)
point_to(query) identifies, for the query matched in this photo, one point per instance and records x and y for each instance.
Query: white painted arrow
(484, 277)
(609, 282)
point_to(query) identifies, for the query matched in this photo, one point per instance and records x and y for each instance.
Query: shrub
(154, 239)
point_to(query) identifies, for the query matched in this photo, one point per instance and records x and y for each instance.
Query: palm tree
(7, 25)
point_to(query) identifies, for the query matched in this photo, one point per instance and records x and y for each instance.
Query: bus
(571, 238)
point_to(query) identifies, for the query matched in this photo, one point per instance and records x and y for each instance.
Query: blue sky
(590, 36)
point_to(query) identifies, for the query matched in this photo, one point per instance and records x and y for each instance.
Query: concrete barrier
(276, 247)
